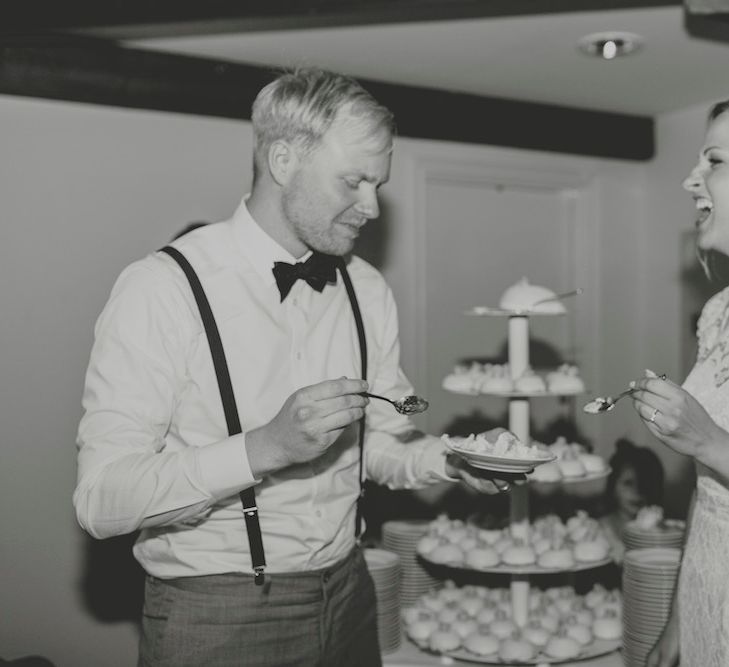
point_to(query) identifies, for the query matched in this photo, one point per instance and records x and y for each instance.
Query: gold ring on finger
(652, 420)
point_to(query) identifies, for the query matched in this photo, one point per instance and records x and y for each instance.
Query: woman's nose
(693, 181)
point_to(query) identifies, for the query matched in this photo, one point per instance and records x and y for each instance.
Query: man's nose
(368, 204)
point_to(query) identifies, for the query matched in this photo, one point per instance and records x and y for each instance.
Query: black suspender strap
(363, 358)
(248, 496)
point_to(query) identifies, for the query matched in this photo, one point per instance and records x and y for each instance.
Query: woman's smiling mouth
(704, 207)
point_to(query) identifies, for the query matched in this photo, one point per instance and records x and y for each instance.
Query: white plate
(653, 558)
(487, 311)
(503, 568)
(530, 394)
(512, 394)
(596, 648)
(589, 477)
(669, 528)
(498, 463)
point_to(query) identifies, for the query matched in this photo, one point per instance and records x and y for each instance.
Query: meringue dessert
(557, 559)
(447, 554)
(573, 463)
(496, 442)
(593, 550)
(482, 557)
(463, 379)
(562, 648)
(516, 650)
(530, 383)
(565, 380)
(552, 544)
(546, 473)
(519, 554)
(648, 518)
(496, 379)
(525, 297)
(608, 627)
(444, 639)
(479, 620)
(481, 642)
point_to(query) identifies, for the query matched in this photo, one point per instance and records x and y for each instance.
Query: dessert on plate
(464, 379)
(530, 383)
(553, 544)
(573, 462)
(496, 442)
(496, 379)
(478, 620)
(565, 380)
(525, 297)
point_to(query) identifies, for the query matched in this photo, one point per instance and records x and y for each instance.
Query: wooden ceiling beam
(139, 19)
(103, 73)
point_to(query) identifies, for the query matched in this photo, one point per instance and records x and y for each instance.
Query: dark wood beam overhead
(707, 19)
(135, 19)
(103, 73)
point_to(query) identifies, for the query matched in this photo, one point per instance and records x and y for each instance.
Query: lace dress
(704, 581)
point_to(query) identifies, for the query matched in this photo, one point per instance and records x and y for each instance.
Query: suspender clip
(258, 576)
(250, 511)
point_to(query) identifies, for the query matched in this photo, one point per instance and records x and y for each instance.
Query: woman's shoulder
(714, 312)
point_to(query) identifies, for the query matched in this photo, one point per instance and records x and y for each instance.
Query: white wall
(84, 190)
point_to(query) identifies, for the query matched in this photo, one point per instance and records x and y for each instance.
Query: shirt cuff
(434, 459)
(224, 467)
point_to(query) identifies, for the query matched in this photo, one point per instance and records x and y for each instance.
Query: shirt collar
(258, 247)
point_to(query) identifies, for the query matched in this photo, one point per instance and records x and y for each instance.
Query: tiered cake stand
(518, 345)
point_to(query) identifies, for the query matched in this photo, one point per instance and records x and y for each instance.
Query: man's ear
(282, 161)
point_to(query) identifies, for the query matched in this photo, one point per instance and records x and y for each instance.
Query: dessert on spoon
(407, 405)
(606, 403)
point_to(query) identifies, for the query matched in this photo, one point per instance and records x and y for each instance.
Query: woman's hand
(666, 651)
(675, 417)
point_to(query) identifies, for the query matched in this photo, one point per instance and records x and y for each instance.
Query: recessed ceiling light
(609, 45)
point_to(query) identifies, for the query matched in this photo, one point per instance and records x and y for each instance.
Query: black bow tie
(318, 270)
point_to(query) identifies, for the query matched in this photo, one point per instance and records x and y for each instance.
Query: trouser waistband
(205, 582)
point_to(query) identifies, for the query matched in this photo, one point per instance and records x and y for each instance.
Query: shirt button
(318, 513)
(295, 301)
(298, 356)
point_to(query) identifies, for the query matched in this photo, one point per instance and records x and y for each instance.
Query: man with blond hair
(243, 468)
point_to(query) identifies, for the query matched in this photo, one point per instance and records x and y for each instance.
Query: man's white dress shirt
(154, 452)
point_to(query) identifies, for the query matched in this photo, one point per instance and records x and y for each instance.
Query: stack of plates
(649, 579)
(668, 535)
(384, 567)
(401, 538)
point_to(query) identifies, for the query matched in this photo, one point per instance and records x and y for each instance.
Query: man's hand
(309, 422)
(483, 481)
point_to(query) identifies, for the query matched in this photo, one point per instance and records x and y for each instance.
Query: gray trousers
(324, 618)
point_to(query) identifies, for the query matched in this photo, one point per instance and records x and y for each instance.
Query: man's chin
(336, 250)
